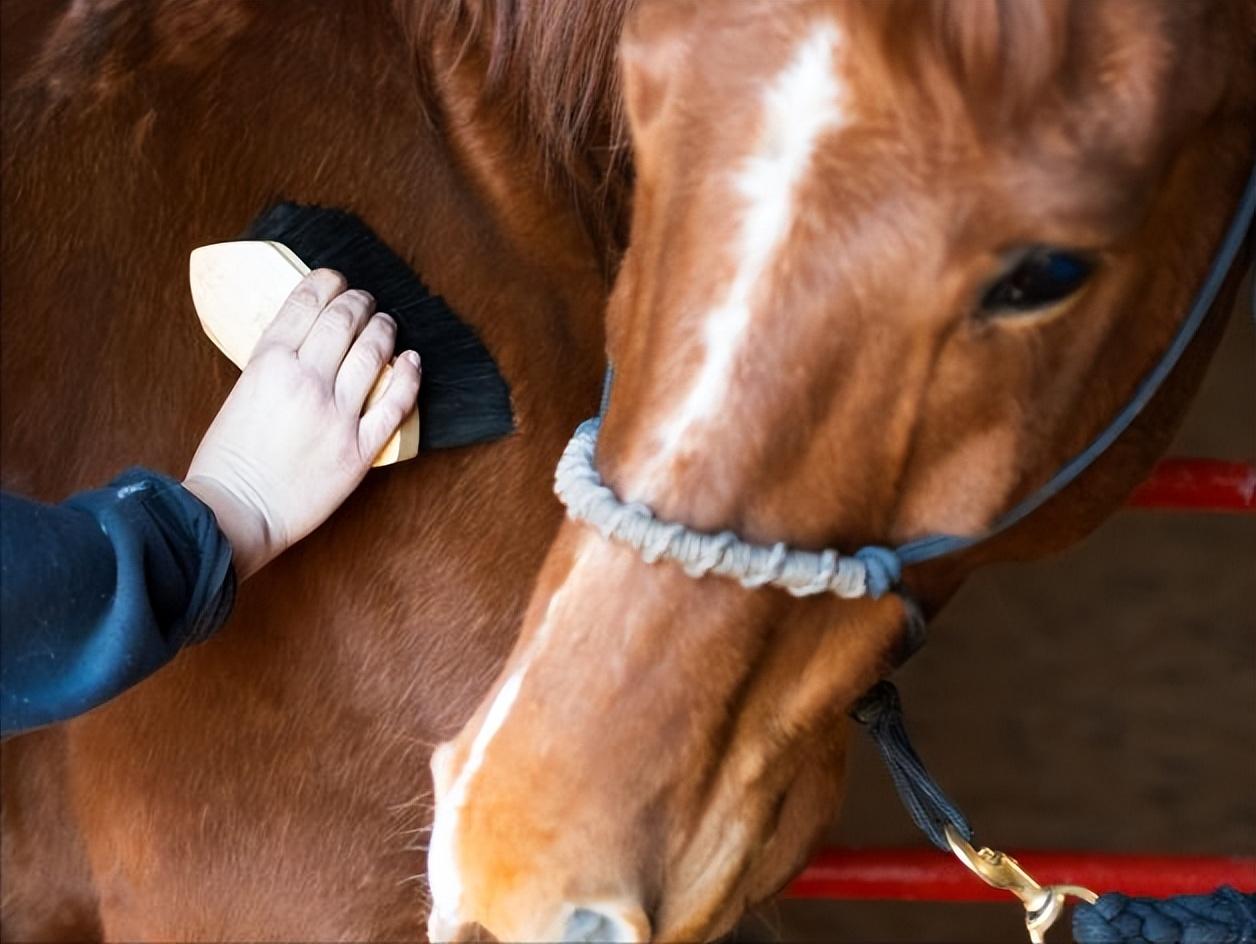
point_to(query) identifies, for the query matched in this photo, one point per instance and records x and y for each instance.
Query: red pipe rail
(1176, 484)
(931, 875)
(1181, 484)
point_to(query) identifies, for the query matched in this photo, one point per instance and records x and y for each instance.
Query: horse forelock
(1130, 71)
(1000, 54)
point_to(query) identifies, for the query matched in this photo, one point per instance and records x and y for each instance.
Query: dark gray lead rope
(880, 711)
(1227, 916)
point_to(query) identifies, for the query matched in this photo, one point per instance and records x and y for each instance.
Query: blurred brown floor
(1122, 678)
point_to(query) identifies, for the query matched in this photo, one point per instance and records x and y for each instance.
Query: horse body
(271, 783)
(265, 785)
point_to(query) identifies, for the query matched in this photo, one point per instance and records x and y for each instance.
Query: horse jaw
(658, 755)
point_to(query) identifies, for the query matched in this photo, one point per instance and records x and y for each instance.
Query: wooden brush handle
(239, 287)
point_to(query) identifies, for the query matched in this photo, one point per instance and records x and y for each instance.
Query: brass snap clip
(1043, 905)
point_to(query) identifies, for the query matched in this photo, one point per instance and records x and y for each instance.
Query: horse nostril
(607, 925)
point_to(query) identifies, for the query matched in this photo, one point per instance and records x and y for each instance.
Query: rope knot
(878, 703)
(883, 568)
(881, 712)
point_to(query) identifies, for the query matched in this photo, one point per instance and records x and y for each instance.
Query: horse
(811, 237)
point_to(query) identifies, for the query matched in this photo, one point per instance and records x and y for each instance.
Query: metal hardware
(1043, 905)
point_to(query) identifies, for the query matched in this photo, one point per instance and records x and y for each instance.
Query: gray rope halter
(870, 571)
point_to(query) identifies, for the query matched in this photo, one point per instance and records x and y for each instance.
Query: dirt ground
(1119, 708)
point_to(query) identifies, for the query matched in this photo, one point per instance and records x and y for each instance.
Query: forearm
(101, 591)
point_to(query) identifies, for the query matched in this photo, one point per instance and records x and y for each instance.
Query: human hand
(292, 441)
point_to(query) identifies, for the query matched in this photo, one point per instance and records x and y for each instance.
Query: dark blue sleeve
(102, 590)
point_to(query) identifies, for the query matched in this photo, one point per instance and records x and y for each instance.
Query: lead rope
(1227, 916)
(880, 712)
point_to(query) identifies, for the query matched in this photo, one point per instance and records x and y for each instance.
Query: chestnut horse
(837, 317)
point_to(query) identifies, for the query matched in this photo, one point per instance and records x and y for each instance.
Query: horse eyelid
(1012, 259)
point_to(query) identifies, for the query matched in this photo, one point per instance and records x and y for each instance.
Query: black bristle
(463, 399)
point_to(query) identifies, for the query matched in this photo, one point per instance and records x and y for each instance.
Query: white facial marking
(443, 875)
(442, 868)
(804, 101)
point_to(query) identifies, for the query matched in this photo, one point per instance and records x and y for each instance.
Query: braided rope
(1224, 917)
(870, 571)
(880, 711)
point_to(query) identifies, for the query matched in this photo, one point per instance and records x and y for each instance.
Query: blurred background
(1119, 708)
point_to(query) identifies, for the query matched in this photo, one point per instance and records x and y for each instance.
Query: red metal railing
(930, 875)
(1199, 485)
(1177, 484)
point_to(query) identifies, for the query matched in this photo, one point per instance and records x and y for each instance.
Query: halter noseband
(870, 571)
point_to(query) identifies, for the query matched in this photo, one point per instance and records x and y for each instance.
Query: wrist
(245, 527)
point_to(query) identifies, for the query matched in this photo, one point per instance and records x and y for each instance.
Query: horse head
(890, 266)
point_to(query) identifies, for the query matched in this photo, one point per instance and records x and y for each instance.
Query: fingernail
(387, 317)
(413, 358)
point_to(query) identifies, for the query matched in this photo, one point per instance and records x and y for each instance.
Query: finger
(334, 330)
(297, 314)
(384, 416)
(369, 353)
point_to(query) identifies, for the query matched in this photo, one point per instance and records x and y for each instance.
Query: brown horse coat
(273, 783)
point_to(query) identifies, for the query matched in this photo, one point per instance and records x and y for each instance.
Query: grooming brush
(238, 287)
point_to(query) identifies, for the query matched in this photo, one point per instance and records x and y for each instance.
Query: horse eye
(1040, 278)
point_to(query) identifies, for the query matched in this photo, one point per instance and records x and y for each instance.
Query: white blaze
(442, 866)
(443, 874)
(805, 100)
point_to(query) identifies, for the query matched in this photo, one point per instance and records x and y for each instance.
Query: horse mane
(552, 67)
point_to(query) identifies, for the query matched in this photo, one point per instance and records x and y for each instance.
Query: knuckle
(368, 355)
(270, 357)
(358, 300)
(329, 280)
(390, 415)
(309, 386)
(304, 295)
(378, 349)
(338, 316)
(383, 327)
